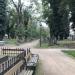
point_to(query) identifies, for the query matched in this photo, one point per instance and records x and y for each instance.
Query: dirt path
(53, 60)
(56, 63)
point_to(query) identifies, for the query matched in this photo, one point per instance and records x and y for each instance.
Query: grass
(11, 41)
(60, 44)
(46, 45)
(39, 70)
(43, 45)
(71, 53)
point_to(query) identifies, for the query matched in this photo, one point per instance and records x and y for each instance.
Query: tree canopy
(2, 18)
(56, 16)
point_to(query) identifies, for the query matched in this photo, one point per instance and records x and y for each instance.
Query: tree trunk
(52, 39)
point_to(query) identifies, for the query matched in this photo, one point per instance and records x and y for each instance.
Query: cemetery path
(54, 62)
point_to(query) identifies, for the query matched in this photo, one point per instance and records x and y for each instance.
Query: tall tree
(11, 23)
(2, 18)
(27, 17)
(19, 11)
(64, 13)
(18, 7)
(51, 8)
(57, 18)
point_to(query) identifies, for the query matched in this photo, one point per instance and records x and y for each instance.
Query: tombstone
(5, 38)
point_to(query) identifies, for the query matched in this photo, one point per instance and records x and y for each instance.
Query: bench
(26, 72)
(32, 63)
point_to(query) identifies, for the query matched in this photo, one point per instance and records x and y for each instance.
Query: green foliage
(11, 23)
(44, 32)
(27, 28)
(20, 32)
(56, 17)
(64, 13)
(2, 18)
(27, 17)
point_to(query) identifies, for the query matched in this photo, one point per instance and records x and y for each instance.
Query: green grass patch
(39, 70)
(60, 44)
(72, 53)
(11, 41)
(46, 45)
(43, 45)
